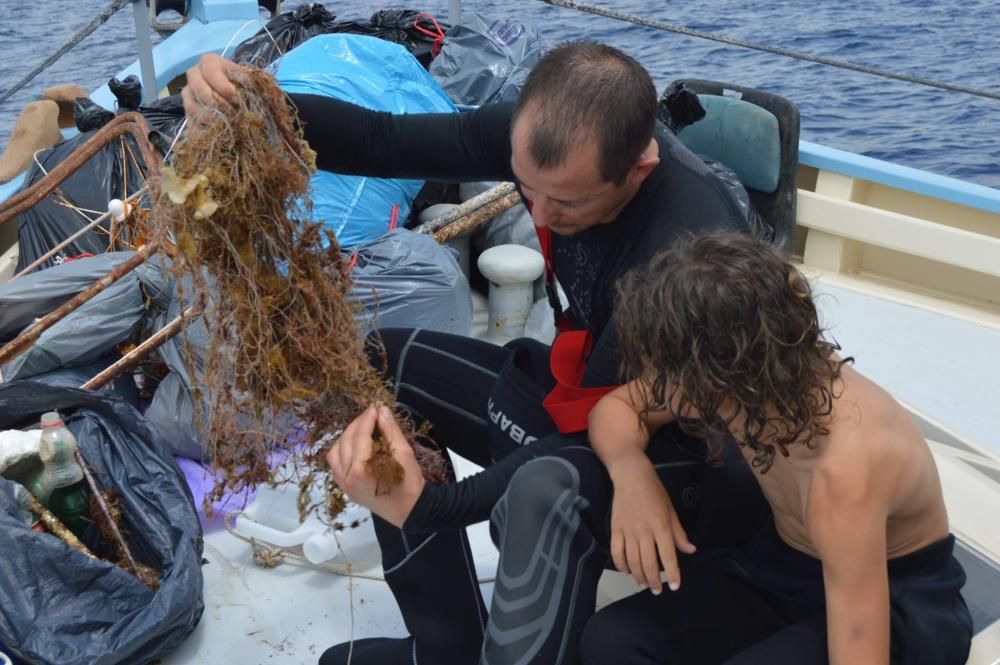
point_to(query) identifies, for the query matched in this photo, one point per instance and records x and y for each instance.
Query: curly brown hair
(724, 319)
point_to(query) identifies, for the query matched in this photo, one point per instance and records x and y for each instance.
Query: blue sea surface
(948, 133)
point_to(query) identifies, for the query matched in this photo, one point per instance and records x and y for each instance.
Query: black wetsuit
(764, 604)
(484, 403)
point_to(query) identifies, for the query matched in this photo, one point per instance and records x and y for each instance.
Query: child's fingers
(634, 559)
(668, 557)
(650, 564)
(618, 552)
(681, 541)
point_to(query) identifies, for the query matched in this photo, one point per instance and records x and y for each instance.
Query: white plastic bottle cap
(51, 419)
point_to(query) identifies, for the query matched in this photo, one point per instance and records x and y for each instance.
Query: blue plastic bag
(378, 75)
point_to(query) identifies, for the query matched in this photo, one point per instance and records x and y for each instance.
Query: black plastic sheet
(58, 606)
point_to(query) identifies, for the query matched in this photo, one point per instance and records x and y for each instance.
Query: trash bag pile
(418, 31)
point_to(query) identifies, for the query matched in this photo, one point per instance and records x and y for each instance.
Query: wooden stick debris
(475, 203)
(477, 217)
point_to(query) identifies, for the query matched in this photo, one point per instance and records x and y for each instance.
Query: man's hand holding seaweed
(208, 84)
(348, 459)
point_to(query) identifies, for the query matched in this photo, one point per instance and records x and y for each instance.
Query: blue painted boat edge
(900, 177)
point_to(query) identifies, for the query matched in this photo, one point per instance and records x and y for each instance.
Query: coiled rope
(659, 25)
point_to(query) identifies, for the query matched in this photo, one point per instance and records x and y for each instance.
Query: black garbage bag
(112, 173)
(58, 606)
(89, 116)
(415, 30)
(756, 225)
(283, 33)
(128, 92)
(679, 107)
(122, 387)
(165, 117)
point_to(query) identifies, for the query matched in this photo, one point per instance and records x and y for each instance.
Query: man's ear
(642, 168)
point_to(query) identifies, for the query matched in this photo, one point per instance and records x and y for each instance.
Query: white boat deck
(941, 364)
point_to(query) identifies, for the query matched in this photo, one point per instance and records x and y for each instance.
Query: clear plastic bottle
(68, 493)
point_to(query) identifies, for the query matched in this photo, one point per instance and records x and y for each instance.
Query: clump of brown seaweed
(285, 347)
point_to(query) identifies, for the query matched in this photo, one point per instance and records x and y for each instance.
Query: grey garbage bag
(59, 607)
(484, 61)
(172, 409)
(89, 332)
(406, 279)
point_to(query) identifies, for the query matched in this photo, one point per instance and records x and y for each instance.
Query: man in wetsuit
(607, 187)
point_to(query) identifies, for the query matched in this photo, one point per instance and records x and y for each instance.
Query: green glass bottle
(68, 493)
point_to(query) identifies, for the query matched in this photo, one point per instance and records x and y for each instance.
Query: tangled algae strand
(284, 345)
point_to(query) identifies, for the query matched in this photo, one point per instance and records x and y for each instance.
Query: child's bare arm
(645, 530)
(846, 518)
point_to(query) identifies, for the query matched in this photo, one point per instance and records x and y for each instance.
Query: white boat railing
(914, 231)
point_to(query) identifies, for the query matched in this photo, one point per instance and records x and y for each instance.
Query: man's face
(571, 197)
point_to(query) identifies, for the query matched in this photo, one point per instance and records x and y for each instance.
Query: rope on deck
(659, 25)
(94, 24)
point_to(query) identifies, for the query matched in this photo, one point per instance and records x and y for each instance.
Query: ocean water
(943, 132)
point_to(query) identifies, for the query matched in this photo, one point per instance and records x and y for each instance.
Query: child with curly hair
(856, 565)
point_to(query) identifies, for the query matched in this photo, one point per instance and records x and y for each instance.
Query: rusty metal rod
(49, 254)
(20, 344)
(133, 357)
(127, 123)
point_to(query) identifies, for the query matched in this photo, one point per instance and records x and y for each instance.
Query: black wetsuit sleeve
(446, 147)
(471, 499)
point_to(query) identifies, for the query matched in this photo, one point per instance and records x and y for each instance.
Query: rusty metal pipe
(127, 123)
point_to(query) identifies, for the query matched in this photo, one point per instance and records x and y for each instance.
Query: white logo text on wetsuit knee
(515, 432)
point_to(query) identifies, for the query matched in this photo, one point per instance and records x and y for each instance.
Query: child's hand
(645, 530)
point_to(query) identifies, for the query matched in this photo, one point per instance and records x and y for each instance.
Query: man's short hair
(581, 91)
(725, 319)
